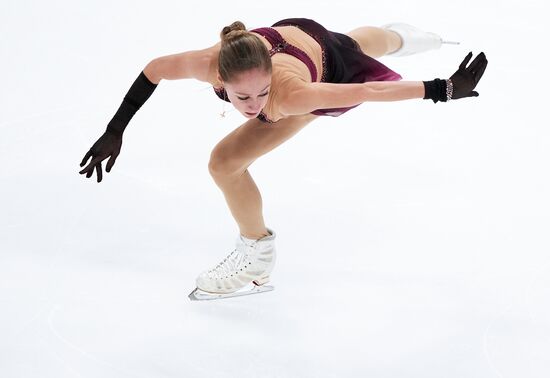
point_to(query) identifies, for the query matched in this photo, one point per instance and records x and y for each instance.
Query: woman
(280, 78)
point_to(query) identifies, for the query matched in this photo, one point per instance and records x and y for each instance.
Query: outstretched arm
(190, 64)
(306, 97)
(194, 64)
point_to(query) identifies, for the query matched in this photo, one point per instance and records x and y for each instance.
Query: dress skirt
(343, 60)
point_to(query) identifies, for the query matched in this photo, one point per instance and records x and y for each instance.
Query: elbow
(152, 71)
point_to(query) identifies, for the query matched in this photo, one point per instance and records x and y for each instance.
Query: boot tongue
(248, 241)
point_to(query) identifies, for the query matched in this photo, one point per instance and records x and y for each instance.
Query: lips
(251, 114)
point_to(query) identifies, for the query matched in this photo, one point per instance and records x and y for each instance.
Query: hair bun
(235, 29)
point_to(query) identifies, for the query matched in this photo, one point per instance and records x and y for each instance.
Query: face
(249, 92)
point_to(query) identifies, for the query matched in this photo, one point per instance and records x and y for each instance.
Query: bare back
(286, 68)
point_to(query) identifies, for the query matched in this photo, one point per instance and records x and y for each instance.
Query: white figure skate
(244, 271)
(414, 40)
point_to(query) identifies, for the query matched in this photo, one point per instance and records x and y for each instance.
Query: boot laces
(232, 263)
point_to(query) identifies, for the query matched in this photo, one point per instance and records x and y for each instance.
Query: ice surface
(412, 236)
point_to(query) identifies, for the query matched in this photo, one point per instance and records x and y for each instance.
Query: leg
(374, 41)
(232, 156)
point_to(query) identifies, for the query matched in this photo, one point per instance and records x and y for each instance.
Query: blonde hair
(241, 51)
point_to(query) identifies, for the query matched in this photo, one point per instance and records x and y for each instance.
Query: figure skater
(280, 78)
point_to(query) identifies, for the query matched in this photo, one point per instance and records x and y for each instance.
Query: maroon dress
(343, 60)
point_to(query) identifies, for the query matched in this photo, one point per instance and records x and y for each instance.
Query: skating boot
(250, 264)
(414, 40)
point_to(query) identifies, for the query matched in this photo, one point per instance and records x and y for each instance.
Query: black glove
(463, 81)
(108, 145)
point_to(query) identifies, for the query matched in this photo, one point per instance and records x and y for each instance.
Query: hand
(107, 145)
(465, 78)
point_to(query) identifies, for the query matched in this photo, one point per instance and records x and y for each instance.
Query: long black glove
(461, 84)
(109, 144)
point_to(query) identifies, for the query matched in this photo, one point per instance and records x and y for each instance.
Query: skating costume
(342, 60)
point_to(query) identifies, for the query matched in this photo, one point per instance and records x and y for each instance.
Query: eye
(246, 98)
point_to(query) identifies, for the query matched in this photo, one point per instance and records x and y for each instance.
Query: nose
(255, 107)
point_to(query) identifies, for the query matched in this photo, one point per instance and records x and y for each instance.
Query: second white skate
(414, 40)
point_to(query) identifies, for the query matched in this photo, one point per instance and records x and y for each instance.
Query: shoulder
(289, 89)
(286, 80)
(282, 83)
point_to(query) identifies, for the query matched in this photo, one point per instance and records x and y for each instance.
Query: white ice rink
(412, 237)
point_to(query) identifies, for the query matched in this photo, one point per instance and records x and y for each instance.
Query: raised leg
(232, 156)
(374, 41)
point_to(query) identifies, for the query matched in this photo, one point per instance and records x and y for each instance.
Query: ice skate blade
(199, 295)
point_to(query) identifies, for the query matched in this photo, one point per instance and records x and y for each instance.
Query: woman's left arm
(307, 97)
(304, 97)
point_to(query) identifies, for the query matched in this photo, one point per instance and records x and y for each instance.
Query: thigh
(255, 138)
(372, 40)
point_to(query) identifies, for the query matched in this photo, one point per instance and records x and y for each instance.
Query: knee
(224, 163)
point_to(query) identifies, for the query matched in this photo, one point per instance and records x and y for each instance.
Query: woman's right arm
(194, 64)
(191, 64)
